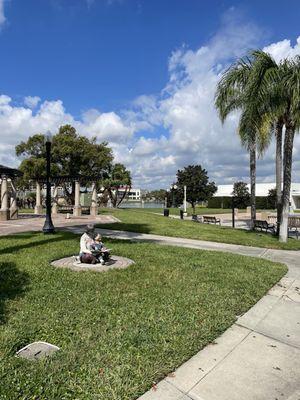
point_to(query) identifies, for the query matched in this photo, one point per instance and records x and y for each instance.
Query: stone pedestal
(4, 211)
(4, 215)
(77, 211)
(94, 210)
(54, 204)
(13, 210)
(77, 206)
(94, 206)
(54, 208)
(38, 209)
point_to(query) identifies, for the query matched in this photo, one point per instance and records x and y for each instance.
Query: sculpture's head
(90, 230)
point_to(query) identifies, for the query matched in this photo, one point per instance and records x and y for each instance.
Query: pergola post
(13, 204)
(4, 211)
(54, 205)
(38, 209)
(94, 206)
(77, 206)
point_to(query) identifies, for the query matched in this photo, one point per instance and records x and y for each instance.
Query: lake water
(142, 205)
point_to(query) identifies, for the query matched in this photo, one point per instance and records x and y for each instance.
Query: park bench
(209, 219)
(264, 225)
(65, 209)
(196, 218)
(69, 209)
(294, 225)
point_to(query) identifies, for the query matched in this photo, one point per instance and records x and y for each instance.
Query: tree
(272, 198)
(157, 195)
(284, 93)
(279, 99)
(237, 90)
(195, 178)
(241, 194)
(72, 155)
(118, 178)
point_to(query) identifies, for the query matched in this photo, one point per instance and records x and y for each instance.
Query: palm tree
(279, 99)
(266, 84)
(233, 93)
(290, 101)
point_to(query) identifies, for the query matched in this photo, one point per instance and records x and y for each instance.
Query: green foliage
(197, 182)
(241, 195)
(118, 177)
(73, 155)
(220, 202)
(272, 198)
(158, 195)
(118, 331)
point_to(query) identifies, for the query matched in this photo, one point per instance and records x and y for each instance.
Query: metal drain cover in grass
(37, 350)
(115, 262)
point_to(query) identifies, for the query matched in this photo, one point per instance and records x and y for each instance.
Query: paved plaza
(31, 222)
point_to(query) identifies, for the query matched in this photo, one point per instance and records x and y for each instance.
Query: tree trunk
(127, 189)
(278, 134)
(253, 181)
(287, 177)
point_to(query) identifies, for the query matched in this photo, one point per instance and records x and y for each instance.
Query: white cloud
(17, 123)
(283, 49)
(2, 16)
(159, 134)
(31, 101)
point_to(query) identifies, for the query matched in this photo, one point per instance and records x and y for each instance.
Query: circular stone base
(115, 262)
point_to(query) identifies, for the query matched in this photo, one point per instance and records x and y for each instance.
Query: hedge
(262, 203)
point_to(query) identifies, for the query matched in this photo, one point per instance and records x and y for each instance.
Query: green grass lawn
(118, 331)
(176, 211)
(145, 222)
(26, 210)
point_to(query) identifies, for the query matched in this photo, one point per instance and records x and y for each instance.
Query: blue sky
(110, 65)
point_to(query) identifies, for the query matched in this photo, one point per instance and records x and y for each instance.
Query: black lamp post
(48, 225)
(173, 188)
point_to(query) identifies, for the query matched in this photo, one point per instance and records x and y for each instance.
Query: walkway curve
(258, 357)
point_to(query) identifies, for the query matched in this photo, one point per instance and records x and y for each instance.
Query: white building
(262, 190)
(133, 194)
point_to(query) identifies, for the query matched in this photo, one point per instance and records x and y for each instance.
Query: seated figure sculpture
(92, 250)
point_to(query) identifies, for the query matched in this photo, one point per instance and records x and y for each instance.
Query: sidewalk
(258, 358)
(31, 222)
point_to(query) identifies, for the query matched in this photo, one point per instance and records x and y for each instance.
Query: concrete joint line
(221, 360)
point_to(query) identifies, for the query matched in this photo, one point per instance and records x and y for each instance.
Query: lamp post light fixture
(173, 187)
(48, 225)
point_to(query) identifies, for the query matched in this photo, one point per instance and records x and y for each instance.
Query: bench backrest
(260, 223)
(208, 218)
(294, 222)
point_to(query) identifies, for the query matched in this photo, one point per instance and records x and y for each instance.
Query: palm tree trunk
(278, 134)
(287, 177)
(252, 151)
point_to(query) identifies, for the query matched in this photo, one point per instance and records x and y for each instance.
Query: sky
(139, 74)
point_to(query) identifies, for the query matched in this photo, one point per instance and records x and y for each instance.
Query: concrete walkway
(258, 358)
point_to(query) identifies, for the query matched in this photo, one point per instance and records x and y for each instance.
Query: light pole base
(48, 226)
